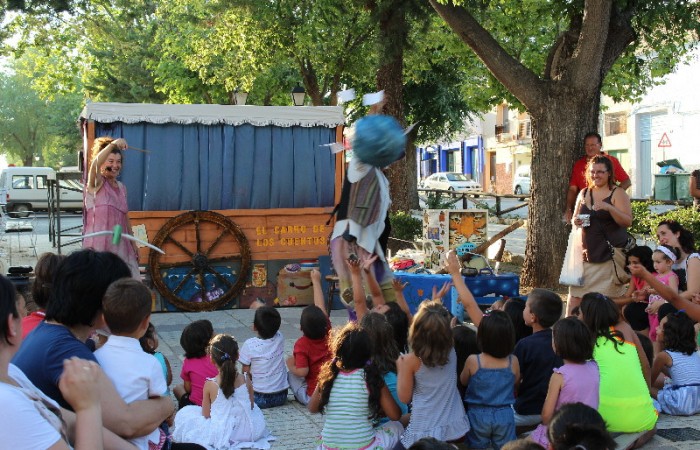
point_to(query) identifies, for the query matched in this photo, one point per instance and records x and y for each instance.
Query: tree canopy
(584, 44)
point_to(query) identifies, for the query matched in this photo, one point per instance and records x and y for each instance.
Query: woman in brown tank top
(609, 214)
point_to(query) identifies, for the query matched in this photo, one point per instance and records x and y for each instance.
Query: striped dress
(347, 424)
(682, 396)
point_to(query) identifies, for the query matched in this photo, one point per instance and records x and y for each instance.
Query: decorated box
(445, 229)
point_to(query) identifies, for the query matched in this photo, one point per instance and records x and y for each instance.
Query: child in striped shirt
(353, 394)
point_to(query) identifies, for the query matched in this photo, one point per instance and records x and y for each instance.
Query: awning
(282, 116)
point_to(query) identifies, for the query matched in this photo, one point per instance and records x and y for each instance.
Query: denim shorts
(490, 426)
(270, 400)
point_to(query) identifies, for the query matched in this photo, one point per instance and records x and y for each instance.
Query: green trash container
(664, 186)
(682, 181)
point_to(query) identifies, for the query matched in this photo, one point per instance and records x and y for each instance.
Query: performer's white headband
(667, 252)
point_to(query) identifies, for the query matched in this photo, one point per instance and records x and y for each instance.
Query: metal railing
(466, 197)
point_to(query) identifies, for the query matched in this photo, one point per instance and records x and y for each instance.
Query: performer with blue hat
(361, 215)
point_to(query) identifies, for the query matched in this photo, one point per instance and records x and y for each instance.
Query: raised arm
(465, 296)
(319, 299)
(400, 298)
(358, 290)
(94, 179)
(375, 290)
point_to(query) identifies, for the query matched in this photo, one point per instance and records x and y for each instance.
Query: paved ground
(294, 427)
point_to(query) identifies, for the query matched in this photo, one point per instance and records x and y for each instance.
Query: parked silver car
(451, 181)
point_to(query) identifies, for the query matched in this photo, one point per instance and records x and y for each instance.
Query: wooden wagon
(237, 196)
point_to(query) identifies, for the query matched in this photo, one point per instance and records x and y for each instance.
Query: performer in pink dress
(105, 202)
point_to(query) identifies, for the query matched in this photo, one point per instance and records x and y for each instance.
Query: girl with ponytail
(228, 417)
(352, 393)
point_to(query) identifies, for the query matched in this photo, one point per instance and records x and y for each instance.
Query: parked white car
(521, 180)
(451, 181)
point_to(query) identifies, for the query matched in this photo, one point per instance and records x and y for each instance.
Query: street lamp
(239, 97)
(298, 95)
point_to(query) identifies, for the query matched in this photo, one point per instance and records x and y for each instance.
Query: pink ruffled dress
(103, 210)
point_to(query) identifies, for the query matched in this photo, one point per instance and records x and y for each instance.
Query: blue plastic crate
(485, 288)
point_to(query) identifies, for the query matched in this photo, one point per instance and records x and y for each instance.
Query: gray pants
(298, 386)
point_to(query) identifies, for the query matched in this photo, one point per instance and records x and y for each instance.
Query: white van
(521, 180)
(24, 189)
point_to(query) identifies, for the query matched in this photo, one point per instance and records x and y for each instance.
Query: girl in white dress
(228, 417)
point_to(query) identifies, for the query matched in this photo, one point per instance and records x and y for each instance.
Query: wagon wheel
(198, 279)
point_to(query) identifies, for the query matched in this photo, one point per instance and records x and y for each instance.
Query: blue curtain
(225, 167)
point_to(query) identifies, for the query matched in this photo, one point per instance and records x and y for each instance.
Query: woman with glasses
(603, 211)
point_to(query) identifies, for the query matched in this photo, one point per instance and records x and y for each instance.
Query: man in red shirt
(592, 145)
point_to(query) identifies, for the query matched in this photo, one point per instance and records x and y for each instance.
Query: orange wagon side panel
(273, 234)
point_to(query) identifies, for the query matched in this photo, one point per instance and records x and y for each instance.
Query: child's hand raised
(453, 266)
(438, 295)
(398, 285)
(354, 264)
(367, 264)
(315, 276)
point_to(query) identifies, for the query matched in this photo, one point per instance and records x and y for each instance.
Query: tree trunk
(393, 31)
(556, 144)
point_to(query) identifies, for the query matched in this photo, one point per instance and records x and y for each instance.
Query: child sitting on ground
(384, 351)
(577, 380)
(534, 353)
(263, 358)
(149, 344)
(492, 378)
(41, 290)
(578, 426)
(537, 359)
(680, 361)
(427, 378)
(353, 395)
(228, 417)
(311, 350)
(514, 307)
(636, 299)
(465, 346)
(197, 366)
(135, 374)
(624, 400)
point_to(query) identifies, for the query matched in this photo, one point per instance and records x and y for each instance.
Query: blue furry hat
(379, 140)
